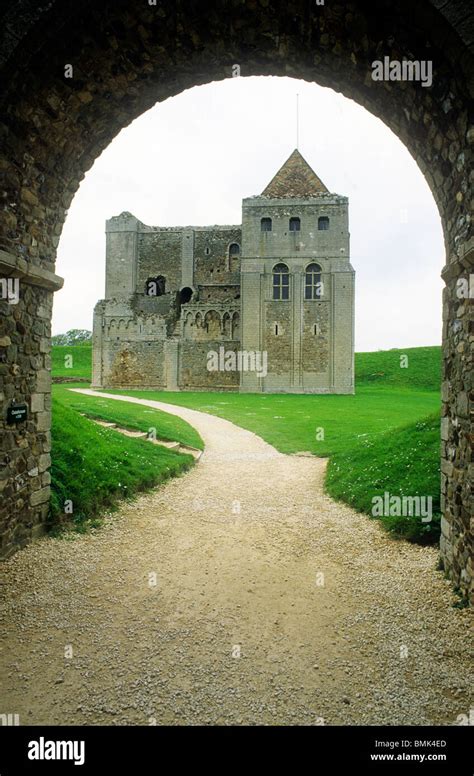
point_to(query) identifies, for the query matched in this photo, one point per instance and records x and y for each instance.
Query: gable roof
(295, 179)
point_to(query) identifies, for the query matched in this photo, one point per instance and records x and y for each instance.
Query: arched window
(212, 324)
(234, 256)
(185, 295)
(266, 225)
(313, 288)
(281, 282)
(323, 223)
(226, 325)
(236, 326)
(155, 286)
(295, 224)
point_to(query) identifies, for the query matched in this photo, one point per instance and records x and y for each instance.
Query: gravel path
(272, 605)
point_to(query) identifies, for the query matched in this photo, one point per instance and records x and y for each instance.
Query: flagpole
(297, 122)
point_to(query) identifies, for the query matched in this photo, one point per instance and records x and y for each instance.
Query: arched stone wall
(127, 54)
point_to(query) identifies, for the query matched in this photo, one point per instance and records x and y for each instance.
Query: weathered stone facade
(126, 55)
(176, 295)
(25, 378)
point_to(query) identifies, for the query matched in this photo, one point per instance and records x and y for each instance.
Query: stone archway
(78, 73)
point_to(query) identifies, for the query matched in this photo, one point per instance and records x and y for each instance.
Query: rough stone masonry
(127, 55)
(280, 284)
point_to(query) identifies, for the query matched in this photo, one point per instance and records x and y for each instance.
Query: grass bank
(385, 438)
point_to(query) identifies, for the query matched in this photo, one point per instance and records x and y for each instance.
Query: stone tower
(203, 308)
(298, 284)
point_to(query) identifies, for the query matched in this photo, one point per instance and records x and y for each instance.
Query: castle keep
(185, 307)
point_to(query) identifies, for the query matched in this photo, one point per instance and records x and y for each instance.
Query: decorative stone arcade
(74, 74)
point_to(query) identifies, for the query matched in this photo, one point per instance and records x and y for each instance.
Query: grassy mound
(93, 467)
(409, 368)
(383, 439)
(404, 462)
(72, 361)
(323, 425)
(131, 416)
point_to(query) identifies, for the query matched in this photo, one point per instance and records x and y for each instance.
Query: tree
(73, 337)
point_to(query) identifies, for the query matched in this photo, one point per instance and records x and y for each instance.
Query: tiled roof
(295, 179)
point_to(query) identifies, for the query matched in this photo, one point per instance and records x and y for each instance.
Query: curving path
(272, 605)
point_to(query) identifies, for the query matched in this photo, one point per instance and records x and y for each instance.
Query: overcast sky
(191, 159)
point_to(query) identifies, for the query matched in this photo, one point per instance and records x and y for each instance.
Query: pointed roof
(295, 179)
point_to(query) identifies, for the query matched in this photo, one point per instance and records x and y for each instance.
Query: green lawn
(72, 361)
(402, 462)
(323, 425)
(93, 467)
(422, 369)
(130, 416)
(385, 438)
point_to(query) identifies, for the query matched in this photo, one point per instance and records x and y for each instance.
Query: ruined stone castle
(267, 305)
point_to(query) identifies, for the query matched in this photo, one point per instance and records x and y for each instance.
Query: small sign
(17, 413)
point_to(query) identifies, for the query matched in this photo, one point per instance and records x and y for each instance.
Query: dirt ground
(236, 594)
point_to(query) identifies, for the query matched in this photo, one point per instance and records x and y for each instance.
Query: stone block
(445, 528)
(37, 402)
(45, 345)
(447, 468)
(44, 462)
(445, 429)
(40, 496)
(43, 381)
(44, 421)
(462, 405)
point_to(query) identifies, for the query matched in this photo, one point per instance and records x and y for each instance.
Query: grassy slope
(81, 361)
(168, 427)
(404, 462)
(290, 422)
(383, 368)
(387, 397)
(385, 438)
(93, 467)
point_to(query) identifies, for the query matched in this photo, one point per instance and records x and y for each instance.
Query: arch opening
(55, 127)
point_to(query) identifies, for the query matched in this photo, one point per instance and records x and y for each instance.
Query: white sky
(191, 159)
